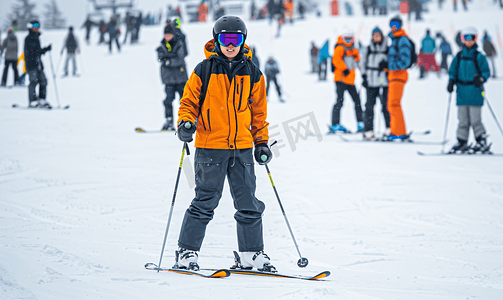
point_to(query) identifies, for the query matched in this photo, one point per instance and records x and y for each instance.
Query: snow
(84, 199)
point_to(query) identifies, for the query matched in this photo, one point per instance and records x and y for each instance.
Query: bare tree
(53, 16)
(22, 13)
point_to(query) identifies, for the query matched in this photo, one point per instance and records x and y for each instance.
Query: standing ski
(217, 273)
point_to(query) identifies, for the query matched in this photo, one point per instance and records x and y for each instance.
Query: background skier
(490, 52)
(71, 45)
(10, 47)
(271, 69)
(468, 71)
(171, 54)
(33, 58)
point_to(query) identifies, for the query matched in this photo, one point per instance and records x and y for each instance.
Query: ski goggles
(348, 39)
(467, 37)
(35, 25)
(395, 23)
(226, 39)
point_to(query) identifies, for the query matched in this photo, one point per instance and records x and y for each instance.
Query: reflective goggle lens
(348, 39)
(36, 25)
(394, 23)
(225, 39)
(467, 37)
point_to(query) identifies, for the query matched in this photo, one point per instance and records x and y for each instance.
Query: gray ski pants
(470, 116)
(211, 168)
(72, 57)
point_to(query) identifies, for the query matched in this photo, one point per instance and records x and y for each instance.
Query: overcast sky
(75, 11)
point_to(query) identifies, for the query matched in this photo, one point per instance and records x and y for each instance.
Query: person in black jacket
(113, 34)
(33, 58)
(88, 24)
(72, 48)
(171, 54)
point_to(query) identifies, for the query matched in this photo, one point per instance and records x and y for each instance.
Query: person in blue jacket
(468, 71)
(445, 50)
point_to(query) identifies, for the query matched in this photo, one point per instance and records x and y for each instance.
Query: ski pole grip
(263, 157)
(187, 125)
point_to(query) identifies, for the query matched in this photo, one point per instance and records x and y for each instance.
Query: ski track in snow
(84, 199)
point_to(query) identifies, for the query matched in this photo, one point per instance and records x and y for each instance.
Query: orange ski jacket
(344, 54)
(231, 117)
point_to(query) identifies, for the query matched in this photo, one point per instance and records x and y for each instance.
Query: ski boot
(33, 104)
(168, 125)
(482, 145)
(369, 135)
(359, 127)
(461, 146)
(42, 103)
(338, 128)
(258, 260)
(186, 259)
(392, 137)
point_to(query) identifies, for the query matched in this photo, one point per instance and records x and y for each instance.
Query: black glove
(345, 72)
(478, 81)
(263, 154)
(450, 86)
(365, 83)
(185, 131)
(48, 48)
(383, 65)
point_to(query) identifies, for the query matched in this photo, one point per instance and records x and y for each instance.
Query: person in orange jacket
(399, 59)
(344, 63)
(289, 9)
(202, 11)
(231, 119)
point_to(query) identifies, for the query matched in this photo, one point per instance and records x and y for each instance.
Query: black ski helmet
(229, 24)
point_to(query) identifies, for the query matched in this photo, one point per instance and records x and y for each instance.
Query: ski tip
(420, 153)
(220, 274)
(151, 266)
(14, 105)
(138, 129)
(321, 275)
(427, 132)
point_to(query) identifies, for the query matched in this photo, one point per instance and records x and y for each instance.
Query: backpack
(206, 74)
(413, 53)
(71, 43)
(475, 62)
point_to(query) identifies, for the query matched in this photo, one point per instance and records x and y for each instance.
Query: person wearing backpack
(11, 48)
(375, 80)
(72, 48)
(445, 49)
(469, 71)
(344, 63)
(171, 55)
(226, 94)
(271, 69)
(401, 56)
(426, 58)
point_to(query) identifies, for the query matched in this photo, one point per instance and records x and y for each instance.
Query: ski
(330, 132)
(216, 273)
(457, 154)
(38, 108)
(278, 275)
(405, 142)
(141, 130)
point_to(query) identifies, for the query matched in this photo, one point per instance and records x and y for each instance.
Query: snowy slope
(84, 199)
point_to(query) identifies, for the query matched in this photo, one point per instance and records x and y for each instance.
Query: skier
(171, 54)
(344, 63)
(468, 71)
(33, 58)
(136, 25)
(490, 51)
(11, 47)
(224, 142)
(445, 49)
(426, 58)
(322, 61)
(202, 12)
(176, 23)
(113, 35)
(72, 48)
(129, 27)
(102, 27)
(399, 59)
(88, 24)
(271, 69)
(375, 79)
(314, 58)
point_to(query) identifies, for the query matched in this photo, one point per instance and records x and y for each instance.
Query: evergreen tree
(22, 13)
(53, 16)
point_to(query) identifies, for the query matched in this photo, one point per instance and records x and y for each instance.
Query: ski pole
(185, 147)
(446, 121)
(302, 262)
(54, 78)
(494, 115)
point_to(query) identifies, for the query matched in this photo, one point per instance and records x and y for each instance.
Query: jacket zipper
(236, 118)
(241, 95)
(208, 117)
